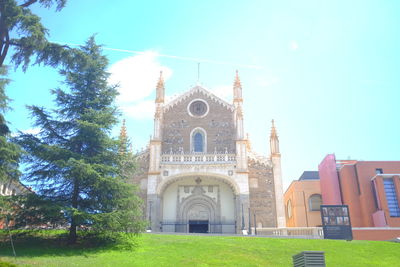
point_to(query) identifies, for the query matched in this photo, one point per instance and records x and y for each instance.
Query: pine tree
(9, 152)
(73, 160)
(22, 34)
(22, 30)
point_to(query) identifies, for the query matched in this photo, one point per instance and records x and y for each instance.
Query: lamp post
(249, 222)
(255, 224)
(242, 219)
(150, 203)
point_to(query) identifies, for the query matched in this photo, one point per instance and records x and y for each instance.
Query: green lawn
(184, 250)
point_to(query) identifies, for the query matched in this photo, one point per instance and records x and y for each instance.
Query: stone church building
(199, 173)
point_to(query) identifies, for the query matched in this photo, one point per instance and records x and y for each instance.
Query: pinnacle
(273, 129)
(123, 131)
(237, 82)
(160, 83)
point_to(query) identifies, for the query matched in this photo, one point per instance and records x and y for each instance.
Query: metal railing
(198, 158)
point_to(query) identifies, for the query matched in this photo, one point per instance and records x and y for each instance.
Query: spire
(237, 89)
(160, 89)
(123, 138)
(274, 140)
(273, 129)
(237, 81)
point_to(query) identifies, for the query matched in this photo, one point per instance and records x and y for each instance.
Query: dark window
(198, 142)
(315, 202)
(375, 195)
(198, 108)
(378, 171)
(391, 197)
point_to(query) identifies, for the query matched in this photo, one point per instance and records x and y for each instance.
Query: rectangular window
(391, 197)
(379, 171)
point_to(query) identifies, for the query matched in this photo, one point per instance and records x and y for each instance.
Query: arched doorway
(198, 205)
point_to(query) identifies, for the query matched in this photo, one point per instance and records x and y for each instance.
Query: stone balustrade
(198, 158)
(303, 232)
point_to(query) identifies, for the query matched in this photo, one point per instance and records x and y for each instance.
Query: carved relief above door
(198, 202)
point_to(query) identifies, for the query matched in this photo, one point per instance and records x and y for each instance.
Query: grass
(47, 249)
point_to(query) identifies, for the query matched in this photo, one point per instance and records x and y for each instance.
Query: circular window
(198, 108)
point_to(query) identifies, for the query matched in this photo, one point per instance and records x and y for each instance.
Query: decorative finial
(237, 89)
(274, 140)
(160, 89)
(273, 129)
(160, 83)
(237, 82)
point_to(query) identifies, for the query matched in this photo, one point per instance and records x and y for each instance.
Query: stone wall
(218, 124)
(262, 196)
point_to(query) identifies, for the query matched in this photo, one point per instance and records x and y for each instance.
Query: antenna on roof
(198, 72)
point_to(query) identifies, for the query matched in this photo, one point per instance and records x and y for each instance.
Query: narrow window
(198, 142)
(314, 202)
(4, 189)
(373, 186)
(289, 209)
(391, 198)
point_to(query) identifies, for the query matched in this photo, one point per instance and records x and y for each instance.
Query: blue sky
(326, 71)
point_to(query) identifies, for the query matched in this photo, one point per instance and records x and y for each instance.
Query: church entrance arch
(198, 205)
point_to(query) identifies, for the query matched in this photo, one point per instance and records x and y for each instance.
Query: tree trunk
(72, 231)
(74, 201)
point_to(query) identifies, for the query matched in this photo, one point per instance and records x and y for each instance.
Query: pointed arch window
(198, 140)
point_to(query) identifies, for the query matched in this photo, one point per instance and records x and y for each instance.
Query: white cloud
(141, 110)
(137, 76)
(223, 91)
(293, 45)
(267, 81)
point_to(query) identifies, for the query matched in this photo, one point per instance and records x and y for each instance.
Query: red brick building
(371, 189)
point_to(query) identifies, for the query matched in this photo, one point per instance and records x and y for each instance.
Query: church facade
(199, 173)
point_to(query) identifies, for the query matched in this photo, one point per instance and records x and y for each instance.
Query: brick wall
(218, 124)
(262, 196)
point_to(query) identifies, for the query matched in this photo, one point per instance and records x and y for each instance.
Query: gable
(196, 91)
(214, 119)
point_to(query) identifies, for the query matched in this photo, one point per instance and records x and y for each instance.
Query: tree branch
(5, 49)
(26, 4)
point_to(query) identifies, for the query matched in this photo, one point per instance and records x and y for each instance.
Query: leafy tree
(73, 160)
(22, 30)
